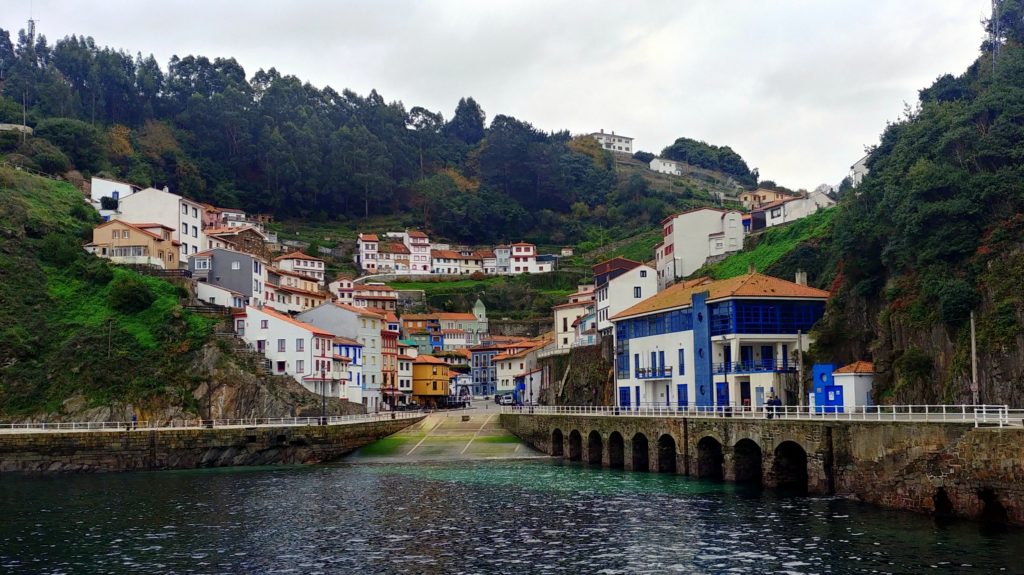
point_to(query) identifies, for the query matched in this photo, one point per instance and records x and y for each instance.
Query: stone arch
(709, 458)
(666, 454)
(557, 443)
(943, 506)
(789, 467)
(575, 446)
(747, 461)
(641, 453)
(595, 447)
(616, 451)
(993, 513)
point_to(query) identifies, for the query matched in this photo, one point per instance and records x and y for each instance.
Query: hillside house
(135, 244)
(367, 249)
(300, 263)
(666, 166)
(343, 289)
(231, 271)
(301, 350)
(292, 292)
(614, 142)
(691, 237)
(375, 296)
(619, 284)
(242, 238)
(182, 215)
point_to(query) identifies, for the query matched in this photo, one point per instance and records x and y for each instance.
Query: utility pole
(974, 364)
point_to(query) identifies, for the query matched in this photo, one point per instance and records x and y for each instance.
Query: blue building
(710, 343)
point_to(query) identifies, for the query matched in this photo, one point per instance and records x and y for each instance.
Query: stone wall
(589, 381)
(520, 327)
(941, 468)
(98, 451)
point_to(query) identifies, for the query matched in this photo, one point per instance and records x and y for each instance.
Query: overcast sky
(798, 88)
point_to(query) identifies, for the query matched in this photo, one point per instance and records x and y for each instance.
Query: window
(263, 324)
(300, 366)
(300, 344)
(116, 235)
(195, 232)
(195, 249)
(565, 324)
(637, 292)
(636, 365)
(281, 345)
(195, 213)
(184, 209)
(682, 362)
(236, 265)
(776, 212)
(184, 230)
(643, 273)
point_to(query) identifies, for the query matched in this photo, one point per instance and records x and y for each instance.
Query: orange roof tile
(857, 367)
(428, 359)
(346, 340)
(357, 310)
(416, 234)
(368, 237)
(748, 285)
(286, 318)
(297, 256)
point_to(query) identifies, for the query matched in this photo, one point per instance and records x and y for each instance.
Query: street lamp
(531, 393)
(323, 397)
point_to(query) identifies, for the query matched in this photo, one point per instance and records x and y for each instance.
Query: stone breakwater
(148, 450)
(946, 469)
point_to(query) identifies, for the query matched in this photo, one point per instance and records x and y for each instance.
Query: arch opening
(616, 451)
(993, 514)
(641, 455)
(942, 504)
(709, 458)
(666, 454)
(575, 446)
(557, 440)
(790, 467)
(594, 448)
(747, 461)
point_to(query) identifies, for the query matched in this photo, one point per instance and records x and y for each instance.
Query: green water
(526, 516)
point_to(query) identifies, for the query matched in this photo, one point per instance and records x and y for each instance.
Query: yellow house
(126, 243)
(430, 381)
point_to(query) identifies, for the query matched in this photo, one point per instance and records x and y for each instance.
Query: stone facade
(99, 451)
(949, 469)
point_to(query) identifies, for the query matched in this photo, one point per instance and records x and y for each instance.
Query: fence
(204, 423)
(978, 415)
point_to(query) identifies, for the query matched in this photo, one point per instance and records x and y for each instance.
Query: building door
(767, 357)
(721, 394)
(261, 346)
(681, 398)
(727, 367)
(624, 397)
(745, 393)
(759, 397)
(747, 357)
(834, 399)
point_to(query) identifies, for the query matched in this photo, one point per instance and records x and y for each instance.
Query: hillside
(80, 338)
(327, 162)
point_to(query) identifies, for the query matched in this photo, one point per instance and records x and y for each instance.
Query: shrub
(59, 249)
(129, 294)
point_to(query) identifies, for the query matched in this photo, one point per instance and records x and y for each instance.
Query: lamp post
(531, 393)
(323, 397)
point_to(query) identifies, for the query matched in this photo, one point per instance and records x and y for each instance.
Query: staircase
(245, 355)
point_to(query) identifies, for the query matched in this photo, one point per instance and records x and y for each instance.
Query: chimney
(751, 269)
(602, 130)
(801, 277)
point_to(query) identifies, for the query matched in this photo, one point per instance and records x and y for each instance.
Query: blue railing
(754, 366)
(654, 372)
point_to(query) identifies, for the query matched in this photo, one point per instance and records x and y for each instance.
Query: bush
(60, 250)
(477, 276)
(129, 294)
(108, 203)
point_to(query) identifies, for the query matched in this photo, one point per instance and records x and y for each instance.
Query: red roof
(857, 367)
(368, 237)
(428, 359)
(295, 322)
(394, 248)
(297, 256)
(416, 234)
(616, 263)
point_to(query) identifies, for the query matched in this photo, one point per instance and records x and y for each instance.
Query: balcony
(761, 366)
(664, 372)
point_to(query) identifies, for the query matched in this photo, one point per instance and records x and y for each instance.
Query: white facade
(690, 238)
(858, 170)
(162, 207)
(419, 252)
(102, 188)
(217, 295)
(565, 315)
(624, 291)
(797, 208)
(302, 264)
(367, 247)
(523, 259)
(363, 326)
(293, 348)
(342, 290)
(665, 166)
(614, 142)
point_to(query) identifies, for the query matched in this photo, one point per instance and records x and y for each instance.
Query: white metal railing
(977, 415)
(42, 426)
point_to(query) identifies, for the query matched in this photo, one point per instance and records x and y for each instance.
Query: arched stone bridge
(951, 469)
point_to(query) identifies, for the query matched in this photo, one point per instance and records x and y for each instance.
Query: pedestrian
(770, 407)
(135, 421)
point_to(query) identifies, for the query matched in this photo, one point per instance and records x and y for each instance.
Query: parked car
(507, 399)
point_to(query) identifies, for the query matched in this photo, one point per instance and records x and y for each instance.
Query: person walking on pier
(135, 421)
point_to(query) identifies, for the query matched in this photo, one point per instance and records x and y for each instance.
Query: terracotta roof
(154, 225)
(456, 316)
(406, 357)
(616, 263)
(416, 234)
(346, 341)
(391, 317)
(524, 244)
(394, 248)
(358, 310)
(299, 291)
(857, 367)
(138, 228)
(428, 359)
(293, 321)
(372, 287)
(747, 285)
(297, 256)
(368, 237)
(774, 204)
(483, 254)
(342, 358)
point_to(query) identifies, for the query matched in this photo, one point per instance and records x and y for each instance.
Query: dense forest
(273, 143)
(935, 232)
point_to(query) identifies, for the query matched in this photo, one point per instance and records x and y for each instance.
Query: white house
(407, 354)
(709, 344)
(217, 295)
(100, 188)
(363, 326)
(856, 382)
(666, 166)
(161, 206)
(691, 237)
(623, 291)
(342, 289)
(792, 209)
(292, 347)
(418, 245)
(348, 368)
(567, 313)
(366, 252)
(858, 170)
(614, 142)
(303, 264)
(523, 259)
